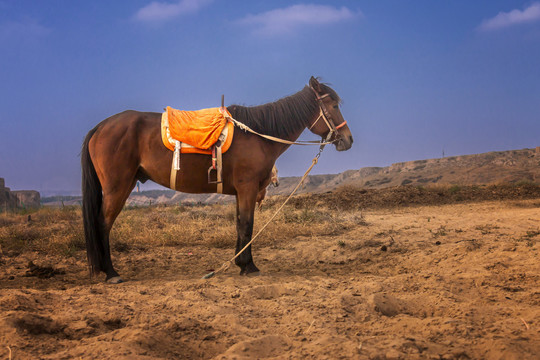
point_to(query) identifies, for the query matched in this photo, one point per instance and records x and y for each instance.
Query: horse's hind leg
(113, 202)
(117, 175)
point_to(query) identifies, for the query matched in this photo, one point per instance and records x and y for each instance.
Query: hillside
(487, 168)
(496, 167)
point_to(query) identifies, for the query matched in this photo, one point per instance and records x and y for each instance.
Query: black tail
(91, 209)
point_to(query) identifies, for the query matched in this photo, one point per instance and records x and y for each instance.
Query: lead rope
(227, 264)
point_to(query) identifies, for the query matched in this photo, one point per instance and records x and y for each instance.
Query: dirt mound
(355, 198)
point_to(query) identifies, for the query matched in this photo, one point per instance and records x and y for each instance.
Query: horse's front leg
(245, 208)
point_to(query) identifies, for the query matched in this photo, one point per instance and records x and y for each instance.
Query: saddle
(205, 131)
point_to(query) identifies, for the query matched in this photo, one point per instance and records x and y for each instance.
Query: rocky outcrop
(489, 168)
(17, 199)
(7, 199)
(28, 198)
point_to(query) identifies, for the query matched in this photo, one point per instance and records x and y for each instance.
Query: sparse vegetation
(441, 231)
(530, 237)
(486, 229)
(60, 230)
(46, 230)
(532, 233)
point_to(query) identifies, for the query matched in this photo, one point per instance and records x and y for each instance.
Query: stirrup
(210, 181)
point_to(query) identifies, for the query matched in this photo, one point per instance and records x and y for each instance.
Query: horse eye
(336, 106)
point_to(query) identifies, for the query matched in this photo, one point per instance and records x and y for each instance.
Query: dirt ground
(457, 281)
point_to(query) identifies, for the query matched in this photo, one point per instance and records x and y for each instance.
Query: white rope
(227, 264)
(272, 138)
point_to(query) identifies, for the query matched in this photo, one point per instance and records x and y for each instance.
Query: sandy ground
(430, 282)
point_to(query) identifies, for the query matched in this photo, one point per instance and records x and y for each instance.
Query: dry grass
(46, 230)
(60, 231)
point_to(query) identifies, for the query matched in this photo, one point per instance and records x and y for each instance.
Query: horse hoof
(250, 270)
(115, 280)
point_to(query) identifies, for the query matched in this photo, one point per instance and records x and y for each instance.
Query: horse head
(330, 123)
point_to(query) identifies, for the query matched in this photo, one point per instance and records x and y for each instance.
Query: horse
(127, 147)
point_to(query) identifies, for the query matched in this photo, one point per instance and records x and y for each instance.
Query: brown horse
(127, 147)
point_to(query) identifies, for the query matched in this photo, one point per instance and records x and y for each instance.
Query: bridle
(325, 115)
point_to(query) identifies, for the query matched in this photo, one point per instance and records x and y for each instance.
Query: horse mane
(284, 117)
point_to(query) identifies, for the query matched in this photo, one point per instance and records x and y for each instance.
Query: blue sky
(417, 77)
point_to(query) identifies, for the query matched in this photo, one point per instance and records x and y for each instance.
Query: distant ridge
(494, 167)
(488, 168)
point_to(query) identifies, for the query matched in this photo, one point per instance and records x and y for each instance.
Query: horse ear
(314, 83)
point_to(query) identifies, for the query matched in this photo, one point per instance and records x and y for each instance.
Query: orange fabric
(200, 129)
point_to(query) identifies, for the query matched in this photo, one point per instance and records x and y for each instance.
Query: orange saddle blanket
(196, 130)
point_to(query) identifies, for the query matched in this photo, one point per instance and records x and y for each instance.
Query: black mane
(281, 118)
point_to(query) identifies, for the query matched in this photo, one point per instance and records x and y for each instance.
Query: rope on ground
(227, 264)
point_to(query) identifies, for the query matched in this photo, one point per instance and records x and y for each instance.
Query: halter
(325, 115)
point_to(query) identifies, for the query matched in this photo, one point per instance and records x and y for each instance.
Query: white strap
(272, 138)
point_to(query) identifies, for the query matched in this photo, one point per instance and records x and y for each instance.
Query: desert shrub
(441, 231)
(532, 233)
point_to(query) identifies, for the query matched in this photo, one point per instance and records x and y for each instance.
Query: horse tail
(91, 208)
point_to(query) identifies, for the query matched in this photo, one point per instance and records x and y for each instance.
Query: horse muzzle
(344, 143)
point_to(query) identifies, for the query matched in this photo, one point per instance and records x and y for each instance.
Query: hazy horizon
(150, 186)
